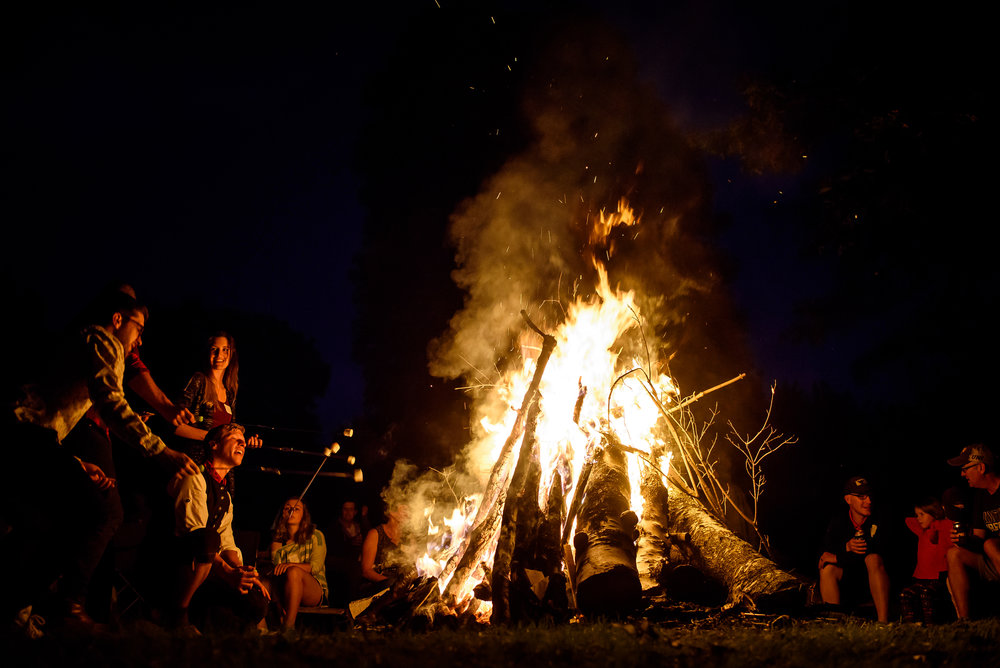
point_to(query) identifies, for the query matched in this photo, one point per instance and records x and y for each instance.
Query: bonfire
(574, 505)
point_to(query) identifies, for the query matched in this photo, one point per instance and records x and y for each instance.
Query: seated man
(851, 550)
(978, 554)
(208, 562)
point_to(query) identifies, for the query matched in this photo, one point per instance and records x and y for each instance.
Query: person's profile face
(129, 330)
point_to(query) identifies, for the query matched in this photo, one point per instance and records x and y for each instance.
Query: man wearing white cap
(978, 554)
(852, 549)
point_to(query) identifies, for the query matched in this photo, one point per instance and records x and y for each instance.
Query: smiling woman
(211, 392)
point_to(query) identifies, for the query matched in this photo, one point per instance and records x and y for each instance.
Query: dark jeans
(60, 522)
(216, 603)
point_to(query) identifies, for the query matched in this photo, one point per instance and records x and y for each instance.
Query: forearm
(193, 433)
(143, 385)
(232, 557)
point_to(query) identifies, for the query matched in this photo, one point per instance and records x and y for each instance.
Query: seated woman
(380, 563)
(211, 392)
(298, 552)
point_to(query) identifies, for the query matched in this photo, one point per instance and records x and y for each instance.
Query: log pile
(615, 558)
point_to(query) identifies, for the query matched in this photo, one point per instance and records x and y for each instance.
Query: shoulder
(98, 337)
(197, 379)
(187, 484)
(318, 537)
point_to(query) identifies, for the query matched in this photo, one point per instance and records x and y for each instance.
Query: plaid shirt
(92, 376)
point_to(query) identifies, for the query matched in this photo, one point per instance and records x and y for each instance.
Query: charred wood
(506, 543)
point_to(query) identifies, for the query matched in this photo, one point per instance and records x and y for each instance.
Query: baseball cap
(858, 485)
(973, 454)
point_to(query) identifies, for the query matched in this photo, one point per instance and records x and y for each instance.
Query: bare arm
(144, 385)
(368, 551)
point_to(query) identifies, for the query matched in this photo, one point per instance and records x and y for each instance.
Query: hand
(281, 568)
(857, 546)
(180, 462)
(255, 441)
(247, 579)
(255, 582)
(181, 417)
(95, 473)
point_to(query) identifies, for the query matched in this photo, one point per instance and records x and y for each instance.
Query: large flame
(621, 397)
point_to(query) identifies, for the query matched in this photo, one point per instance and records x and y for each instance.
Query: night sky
(299, 165)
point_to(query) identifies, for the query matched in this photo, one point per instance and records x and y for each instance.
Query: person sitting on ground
(921, 600)
(298, 553)
(85, 374)
(211, 393)
(978, 554)
(852, 550)
(206, 559)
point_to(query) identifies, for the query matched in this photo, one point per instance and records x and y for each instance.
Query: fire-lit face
(229, 451)
(218, 353)
(128, 329)
(348, 511)
(974, 474)
(924, 519)
(861, 504)
(292, 512)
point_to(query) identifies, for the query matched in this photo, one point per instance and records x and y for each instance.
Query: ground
(716, 640)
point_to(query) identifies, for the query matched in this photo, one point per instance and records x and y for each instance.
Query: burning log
(489, 516)
(653, 547)
(506, 544)
(607, 580)
(722, 555)
(516, 489)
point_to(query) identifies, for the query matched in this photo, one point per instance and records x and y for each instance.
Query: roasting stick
(326, 455)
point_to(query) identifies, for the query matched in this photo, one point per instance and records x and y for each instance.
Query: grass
(781, 642)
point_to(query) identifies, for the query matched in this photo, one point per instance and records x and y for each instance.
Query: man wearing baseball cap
(978, 554)
(852, 550)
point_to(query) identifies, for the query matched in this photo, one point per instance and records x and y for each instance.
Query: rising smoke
(523, 242)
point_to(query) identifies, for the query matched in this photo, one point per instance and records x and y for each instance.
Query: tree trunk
(723, 556)
(607, 580)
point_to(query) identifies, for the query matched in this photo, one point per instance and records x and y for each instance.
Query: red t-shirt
(932, 545)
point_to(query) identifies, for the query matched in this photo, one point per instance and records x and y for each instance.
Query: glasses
(138, 324)
(969, 466)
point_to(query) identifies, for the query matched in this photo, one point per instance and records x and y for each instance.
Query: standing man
(206, 558)
(852, 549)
(63, 527)
(978, 554)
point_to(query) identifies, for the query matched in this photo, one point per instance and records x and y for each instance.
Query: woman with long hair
(298, 551)
(211, 392)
